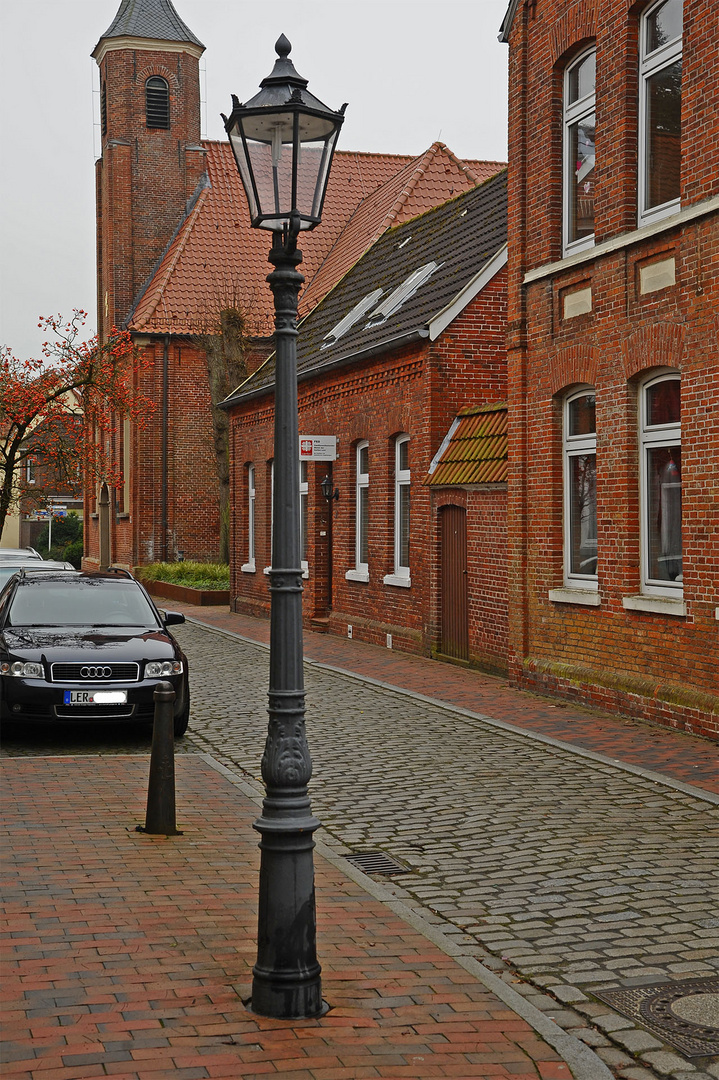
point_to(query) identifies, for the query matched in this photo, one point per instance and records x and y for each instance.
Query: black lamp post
(283, 140)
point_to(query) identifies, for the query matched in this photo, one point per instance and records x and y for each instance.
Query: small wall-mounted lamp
(328, 490)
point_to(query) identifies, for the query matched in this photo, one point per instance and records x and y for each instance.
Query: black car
(85, 646)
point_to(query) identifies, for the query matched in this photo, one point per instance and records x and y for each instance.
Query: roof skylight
(402, 293)
(358, 311)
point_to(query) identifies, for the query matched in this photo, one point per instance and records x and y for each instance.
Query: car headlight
(29, 670)
(157, 668)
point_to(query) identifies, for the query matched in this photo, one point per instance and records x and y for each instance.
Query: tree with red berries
(62, 411)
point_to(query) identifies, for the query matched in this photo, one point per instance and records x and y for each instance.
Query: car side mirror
(172, 618)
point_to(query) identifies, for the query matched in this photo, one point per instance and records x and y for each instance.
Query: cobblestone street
(556, 869)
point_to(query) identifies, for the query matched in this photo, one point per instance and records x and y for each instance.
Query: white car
(19, 553)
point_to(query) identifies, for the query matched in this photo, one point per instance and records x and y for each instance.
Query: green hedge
(196, 575)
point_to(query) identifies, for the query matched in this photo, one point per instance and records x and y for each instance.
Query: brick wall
(643, 663)
(186, 518)
(416, 390)
(145, 175)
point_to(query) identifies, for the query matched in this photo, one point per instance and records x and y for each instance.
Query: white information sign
(318, 447)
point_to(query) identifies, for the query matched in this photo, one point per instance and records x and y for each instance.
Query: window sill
(396, 579)
(652, 217)
(357, 575)
(635, 236)
(658, 605)
(248, 568)
(586, 597)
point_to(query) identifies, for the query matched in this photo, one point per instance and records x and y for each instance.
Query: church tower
(151, 159)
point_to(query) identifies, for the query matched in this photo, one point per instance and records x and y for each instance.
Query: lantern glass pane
(276, 183)
(244, 171)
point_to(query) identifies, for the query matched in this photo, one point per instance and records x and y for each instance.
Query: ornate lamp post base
(286, 978)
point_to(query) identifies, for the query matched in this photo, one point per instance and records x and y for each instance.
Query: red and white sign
(318, 447)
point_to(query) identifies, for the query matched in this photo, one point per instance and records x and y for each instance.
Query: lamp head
(283, 140)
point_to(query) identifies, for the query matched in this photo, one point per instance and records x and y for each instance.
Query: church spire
(148, 20)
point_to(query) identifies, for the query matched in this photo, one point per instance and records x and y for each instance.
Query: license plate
(95, 697)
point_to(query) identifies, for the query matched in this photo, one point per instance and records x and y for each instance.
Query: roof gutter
(420, 334)
(506, 27)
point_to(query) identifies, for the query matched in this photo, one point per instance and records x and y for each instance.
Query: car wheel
(182, 721)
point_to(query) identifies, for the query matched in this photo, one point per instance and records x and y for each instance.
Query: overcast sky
(412, 72)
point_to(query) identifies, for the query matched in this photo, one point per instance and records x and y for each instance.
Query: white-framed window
(126, 459)
(660, 110)
(30, 470)
(304, 507)
(660, 475)
(271, 465)
(580, 489)
(249, 566)
(360, 571)
(579, 155)
(402, 481)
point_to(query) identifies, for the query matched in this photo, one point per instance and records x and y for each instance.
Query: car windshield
(80, 603)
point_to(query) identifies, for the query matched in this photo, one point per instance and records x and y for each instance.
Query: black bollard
(160, 817)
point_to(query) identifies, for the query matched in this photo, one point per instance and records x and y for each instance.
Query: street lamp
(283, 140)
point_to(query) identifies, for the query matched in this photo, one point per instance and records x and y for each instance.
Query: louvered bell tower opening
(157, 102)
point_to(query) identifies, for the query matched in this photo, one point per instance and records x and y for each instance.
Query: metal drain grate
(376, 862)
(651, 1006)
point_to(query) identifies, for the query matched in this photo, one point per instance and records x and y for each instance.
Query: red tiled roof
(423, 183)
(476, 452)
(217, 259)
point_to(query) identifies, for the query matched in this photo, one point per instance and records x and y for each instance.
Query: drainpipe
(165, 405)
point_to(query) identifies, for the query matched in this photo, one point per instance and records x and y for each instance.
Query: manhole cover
(685, 1014)
(376, 862)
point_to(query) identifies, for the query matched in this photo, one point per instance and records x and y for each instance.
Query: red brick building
(613, 354)
(411, 553)
(175, 253)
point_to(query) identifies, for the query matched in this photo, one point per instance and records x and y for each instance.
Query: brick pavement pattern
(128, 955)
(563, 874)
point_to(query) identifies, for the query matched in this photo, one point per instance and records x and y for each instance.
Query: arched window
(402, 480)
(249, 566)
(103, 108)
(580, 490)
(579, 156)
(360, 570)
(304, 515)
(157, 102)
(660, 109)
(660, 437)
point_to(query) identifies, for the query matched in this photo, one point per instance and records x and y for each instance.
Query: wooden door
(453, 570)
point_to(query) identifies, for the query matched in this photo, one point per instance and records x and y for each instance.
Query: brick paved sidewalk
(129, 956)
(683, 757)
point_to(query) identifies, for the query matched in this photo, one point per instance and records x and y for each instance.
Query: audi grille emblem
(95, 672)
